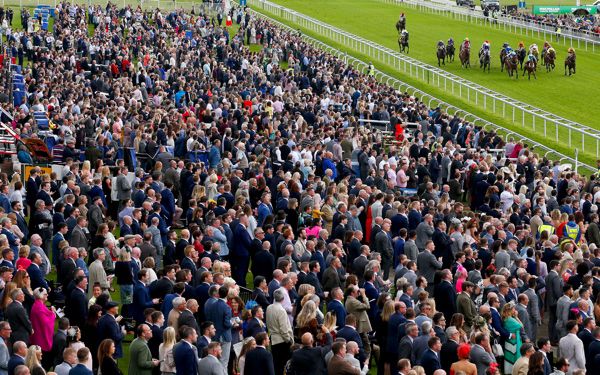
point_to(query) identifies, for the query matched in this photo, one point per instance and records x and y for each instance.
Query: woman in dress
(512, 346)
(42, 322)
(463, 364)
(307, 319)
(249, 344)
(165, 352)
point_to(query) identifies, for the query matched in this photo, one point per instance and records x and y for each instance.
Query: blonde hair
(169, 337)
(308, 313)
(31, 359)
(388, 310)
(330, 321)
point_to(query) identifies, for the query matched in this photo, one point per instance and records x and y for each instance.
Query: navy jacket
(259, 361)
(430, 362)
(36, 277)
(186, 361)
(108, 328)
(220, 314)
(253, 328)
(340, 311)
(141, 301)
(80, 369)
(13, 362)
(352, 335)
(78, 309)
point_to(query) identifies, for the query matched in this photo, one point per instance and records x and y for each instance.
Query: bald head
(307, 339)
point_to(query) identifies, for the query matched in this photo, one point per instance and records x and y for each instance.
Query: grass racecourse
(569, 97)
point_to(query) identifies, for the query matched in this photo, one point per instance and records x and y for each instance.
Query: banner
(562, 9)
(28, 167)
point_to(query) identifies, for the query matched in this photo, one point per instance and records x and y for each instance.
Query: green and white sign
(562, 9)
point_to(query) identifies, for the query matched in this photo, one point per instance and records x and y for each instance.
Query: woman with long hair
(249, 344)
(512, 346)
(381, 333)
(24, 283)
(124, 275)
(89, 332)
(100, 236)
(307, 319)
(108, 365)
(165, 352)
(458, 321)
(33, 360)
(42, 322)
(536, 364)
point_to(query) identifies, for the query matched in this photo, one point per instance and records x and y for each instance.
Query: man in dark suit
(383, 245)
(17, 208)
(180, 246)
(18, 357)
(311, 360)
(350, 333)
(163, 286)
(108, 328)
(586, 336)
(405, 348)
(68, 266)
(35, 273)
(141, 297)
(185, 353)
(59, 341)
(255, 325)
(430, 360)
(187, 262)
(260, 293)
(336, 305)
(187, 318)
(544, 346)
(31, 188)
(18, 318)
(449, 352)
(263, 263)
(77, 310)
(313, 279)
(220, 314)
(208, 332)
(241, 254)
(259, 360)
(445, 295)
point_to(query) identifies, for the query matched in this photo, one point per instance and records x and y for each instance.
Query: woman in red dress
(369, 221)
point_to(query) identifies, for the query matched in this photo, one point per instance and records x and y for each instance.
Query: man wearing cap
(108, 328)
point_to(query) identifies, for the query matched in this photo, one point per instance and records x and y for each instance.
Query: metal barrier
(590, 41)
(432, 101)
(553, 127)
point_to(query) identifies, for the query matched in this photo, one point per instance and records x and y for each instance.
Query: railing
(590, 41)
(532, 119)
(432, 101)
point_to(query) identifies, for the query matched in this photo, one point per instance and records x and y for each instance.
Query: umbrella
(581, 12)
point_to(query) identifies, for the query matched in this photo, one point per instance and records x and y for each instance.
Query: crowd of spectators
(427, 255)
(587, 24)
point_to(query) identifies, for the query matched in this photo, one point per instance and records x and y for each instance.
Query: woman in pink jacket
(42, 322)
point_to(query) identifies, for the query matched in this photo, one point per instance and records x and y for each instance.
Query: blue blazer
(78, 308)
(352, 335)
(430, 362)
(393, 338)
(372, 294)
(253, 328)
(497, 324)
(318, 256)
(185, 359)
(80, 370)
(96, 191)
(340, 312)
(168, 201)
(36, 277)
(13, 362)
(125, 230)
(244, 242)
(23, 226)
(202, 344)
(259, 361)
(12, 240)
(141, 301)
(109, 329)
(220, 314)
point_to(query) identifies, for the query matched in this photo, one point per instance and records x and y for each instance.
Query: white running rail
(531, 119)
(541, 149)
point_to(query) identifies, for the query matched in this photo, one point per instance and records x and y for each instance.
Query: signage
(28, 167)
(562, 9)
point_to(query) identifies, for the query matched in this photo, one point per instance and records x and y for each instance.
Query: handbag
(497, 349)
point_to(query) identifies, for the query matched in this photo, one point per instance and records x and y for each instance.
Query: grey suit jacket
(562, 314)
(524, 318)
(427, 264)
(481, 358)
(411, 250)
(383, 245)
(78, 238)
(533, 308)
(424, 233)
(502, 260)
(405, 349)
(123, 187)
(210, 365)
(554, 286)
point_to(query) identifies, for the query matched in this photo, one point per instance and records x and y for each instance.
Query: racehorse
(502, 57)
(403, 43)
(530, 69)
(450, 52)
(484, 59)
(465, 56)
(521, 53)
(512, 65)
(533, 49)
(441, 55)
(570, 63)
(549, 57)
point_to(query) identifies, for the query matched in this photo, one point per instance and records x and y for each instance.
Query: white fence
(531, 119)
(589, 41)
(435, 102)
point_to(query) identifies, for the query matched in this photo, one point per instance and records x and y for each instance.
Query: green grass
(544, 92)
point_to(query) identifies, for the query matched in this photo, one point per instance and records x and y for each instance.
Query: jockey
(371, 71)
(440, 44)
(531, 57)
(466, 43)
(533, 47)
(451, 42)
(571, 51)
(486, 46)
